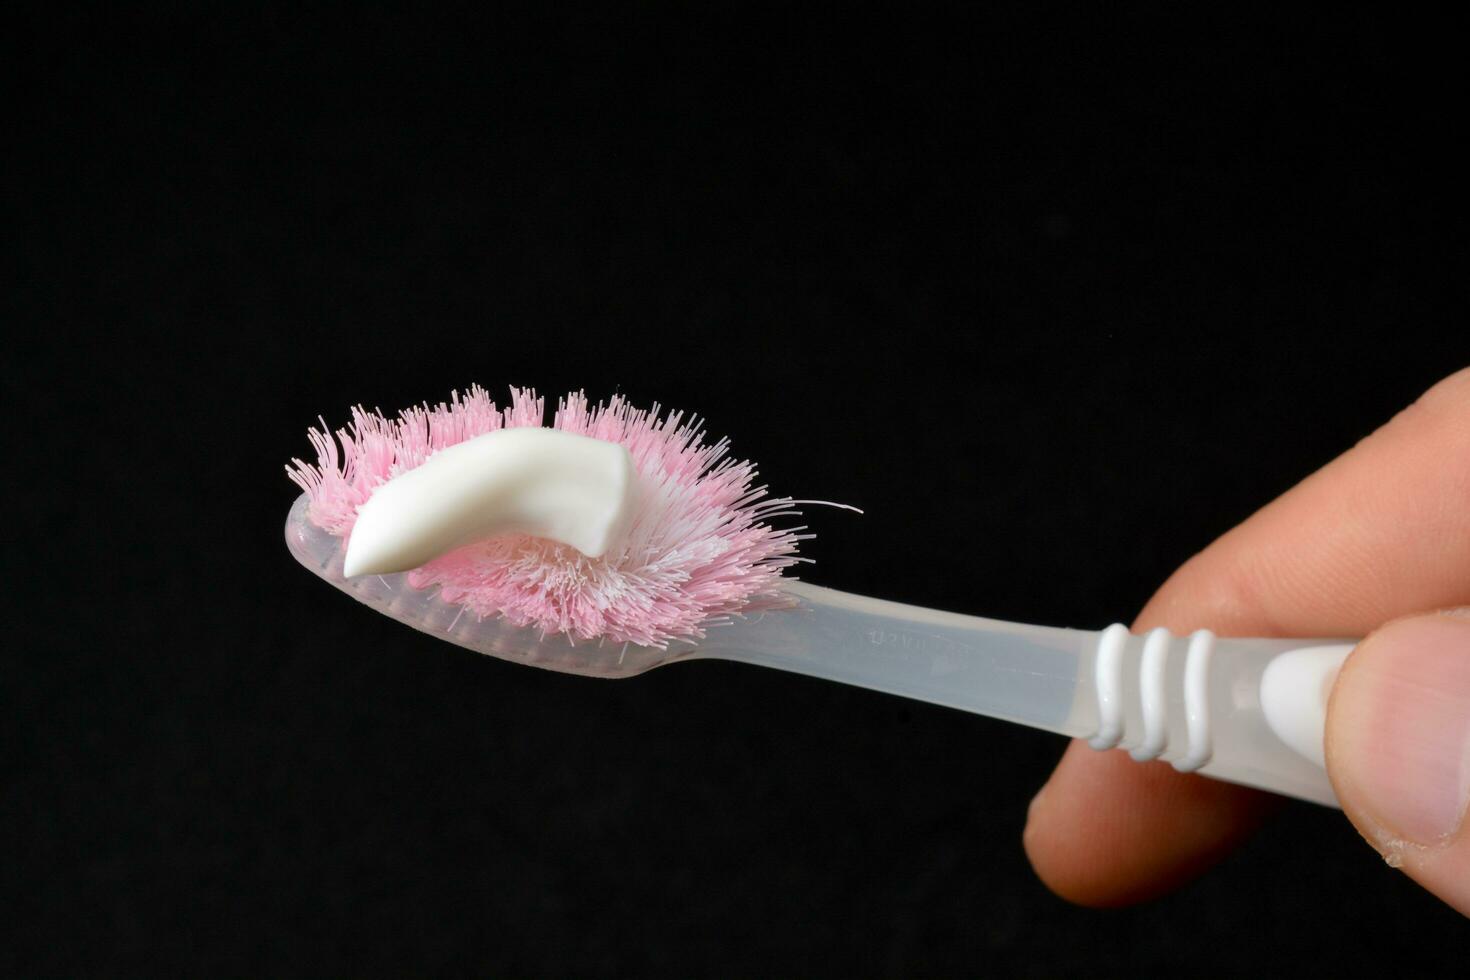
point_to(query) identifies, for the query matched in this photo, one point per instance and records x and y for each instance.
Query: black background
(1055, 296)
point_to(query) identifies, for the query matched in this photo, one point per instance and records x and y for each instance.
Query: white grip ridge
(1109, 681)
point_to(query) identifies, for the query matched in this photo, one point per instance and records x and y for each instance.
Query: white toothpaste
(529, 480)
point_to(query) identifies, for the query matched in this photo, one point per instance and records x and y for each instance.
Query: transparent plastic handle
(1197, 702)
(1193, 701)
(1026, 674)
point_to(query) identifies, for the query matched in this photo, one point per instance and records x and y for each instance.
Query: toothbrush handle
(1248, 711)
(1026, 674)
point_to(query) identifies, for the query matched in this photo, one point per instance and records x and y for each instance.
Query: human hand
(1379, 536)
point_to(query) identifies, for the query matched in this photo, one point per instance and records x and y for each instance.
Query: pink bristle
(698, 550)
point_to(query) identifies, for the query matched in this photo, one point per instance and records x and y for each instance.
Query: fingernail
(1398, 730)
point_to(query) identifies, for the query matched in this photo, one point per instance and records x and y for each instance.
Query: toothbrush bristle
(698, 549)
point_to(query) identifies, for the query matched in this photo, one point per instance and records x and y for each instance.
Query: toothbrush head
(695, 549)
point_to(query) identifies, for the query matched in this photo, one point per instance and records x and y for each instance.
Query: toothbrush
(614, 542)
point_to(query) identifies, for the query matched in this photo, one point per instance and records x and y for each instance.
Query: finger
(1398, 748)
(1382, 531)
(1108, 831)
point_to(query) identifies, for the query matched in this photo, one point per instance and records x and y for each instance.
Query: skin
(1381, 533)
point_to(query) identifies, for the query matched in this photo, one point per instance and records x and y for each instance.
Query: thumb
(1398, 748)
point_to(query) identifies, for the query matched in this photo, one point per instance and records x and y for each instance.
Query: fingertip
(1398, 748)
